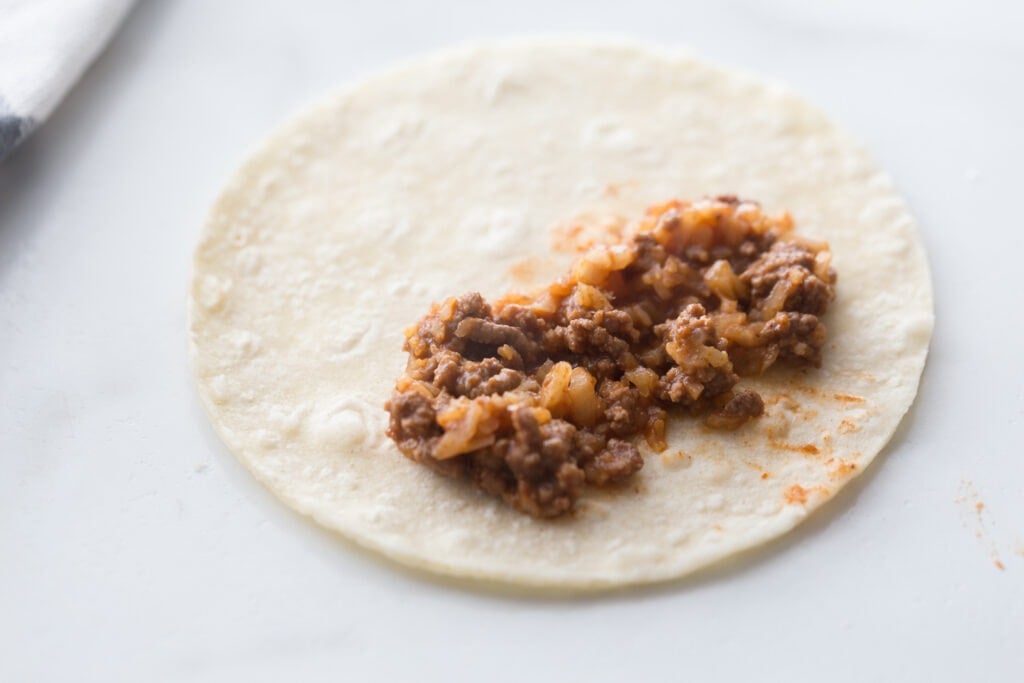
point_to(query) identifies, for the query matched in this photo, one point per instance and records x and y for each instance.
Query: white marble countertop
(134, 547)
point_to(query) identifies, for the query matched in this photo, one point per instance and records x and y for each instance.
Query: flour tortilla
(448, 175)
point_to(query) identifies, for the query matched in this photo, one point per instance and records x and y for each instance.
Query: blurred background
(133, 547)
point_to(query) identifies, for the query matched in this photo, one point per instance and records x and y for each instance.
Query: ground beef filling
(532, 398)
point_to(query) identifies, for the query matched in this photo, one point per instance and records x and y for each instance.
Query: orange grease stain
(523, 271)
(581, 235)
(567, 238)
(782, 396)
(999, 565)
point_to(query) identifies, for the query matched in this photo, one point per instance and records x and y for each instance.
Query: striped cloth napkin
(45, 45)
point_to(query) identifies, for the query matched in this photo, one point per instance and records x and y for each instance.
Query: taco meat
(532, 398)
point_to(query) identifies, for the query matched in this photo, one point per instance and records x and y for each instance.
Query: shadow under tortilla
(816, 523)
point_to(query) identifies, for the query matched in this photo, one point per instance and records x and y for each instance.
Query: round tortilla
(460, 172)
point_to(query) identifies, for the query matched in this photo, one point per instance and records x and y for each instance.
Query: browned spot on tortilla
(806, 449)
(847, 426)
(843, 470)
(865, 376)
(614, 189)
(809, 414)
(826, 440)
(796, 494)
(675, 458)
(979, 506)
(760, 470)
(835, 395)
(999, 565)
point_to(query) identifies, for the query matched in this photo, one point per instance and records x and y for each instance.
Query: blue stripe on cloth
(13, 129)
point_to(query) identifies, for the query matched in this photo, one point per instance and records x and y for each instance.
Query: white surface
(133, 547)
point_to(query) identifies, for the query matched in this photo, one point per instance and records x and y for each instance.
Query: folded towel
(45, 45)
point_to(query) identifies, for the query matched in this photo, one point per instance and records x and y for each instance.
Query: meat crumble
(533, 397)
